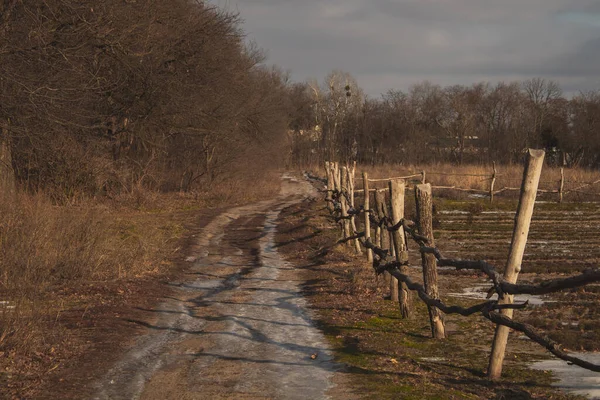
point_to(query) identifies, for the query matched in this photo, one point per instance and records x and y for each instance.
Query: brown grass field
(63, 268)
(507, 176)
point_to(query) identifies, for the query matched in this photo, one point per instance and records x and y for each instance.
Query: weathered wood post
(378, 213)
(561, 185)
(330, 185)
(344, 202)
(381, 214)
(493, 182)
(397, 188)
(529, 186)
(382, 232)
(353, 229)
(366, 207)
(337, 181)
(7, 173)
(390, 238)
(424, 204)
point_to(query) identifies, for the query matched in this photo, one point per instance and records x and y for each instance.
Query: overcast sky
(392, 44)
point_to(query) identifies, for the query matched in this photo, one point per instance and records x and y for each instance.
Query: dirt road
(237, 328)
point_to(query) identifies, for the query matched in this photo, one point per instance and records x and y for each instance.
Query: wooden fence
(385, 238)
(558, 187)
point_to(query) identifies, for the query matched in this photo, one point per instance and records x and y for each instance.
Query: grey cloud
(583, 61)
(392, 44)
(589, 6)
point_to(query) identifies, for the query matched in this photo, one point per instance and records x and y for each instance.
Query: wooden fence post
(337, 185)
(561, 185)
(384, 235)
(381, 214)
(397, 188)
(529, 186)
(334, 175)
(330, 186)
(344, 202)
(367, 213)
(493, 182)
(353, 230)
(378, 212)
(424, 204)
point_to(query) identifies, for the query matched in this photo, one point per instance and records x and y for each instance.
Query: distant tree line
(100, 96)
(480, 123)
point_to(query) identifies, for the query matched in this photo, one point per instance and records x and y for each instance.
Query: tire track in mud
(238, 328)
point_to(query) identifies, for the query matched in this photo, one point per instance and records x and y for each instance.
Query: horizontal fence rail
(558, 186)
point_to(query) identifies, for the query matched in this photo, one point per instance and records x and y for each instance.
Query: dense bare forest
(480, 123)
(97, 98)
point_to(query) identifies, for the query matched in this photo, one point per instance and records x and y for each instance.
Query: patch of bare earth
(384, 355)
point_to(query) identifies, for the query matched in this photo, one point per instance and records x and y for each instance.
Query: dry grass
(45, 248)
(48, 250)
(507, 176)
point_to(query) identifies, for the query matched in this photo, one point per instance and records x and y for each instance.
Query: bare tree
(106, 96)
(540, 95)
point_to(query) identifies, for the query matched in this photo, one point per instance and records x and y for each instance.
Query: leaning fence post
(397, 188)
(493, 182)
(529, 186)
(430, 276)
(366, 207)
(561, 185)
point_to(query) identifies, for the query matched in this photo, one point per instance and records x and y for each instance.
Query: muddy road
(237, 327)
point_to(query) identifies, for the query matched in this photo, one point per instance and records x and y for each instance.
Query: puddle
(479, 292)
(432, 359)
(574, 379)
